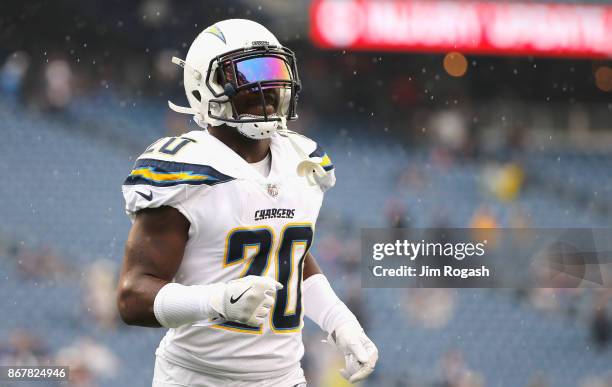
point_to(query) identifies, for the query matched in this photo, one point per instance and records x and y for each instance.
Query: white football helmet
(232, 56)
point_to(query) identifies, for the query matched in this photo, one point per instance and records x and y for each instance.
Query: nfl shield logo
(273, 190)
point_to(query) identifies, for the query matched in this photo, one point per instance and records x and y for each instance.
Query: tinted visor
(260, 84)
(258, 69)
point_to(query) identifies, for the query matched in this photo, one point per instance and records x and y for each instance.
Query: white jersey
(241, 224)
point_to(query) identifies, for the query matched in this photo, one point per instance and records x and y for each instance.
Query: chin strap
(198, 117)
(181, 109)
(197, 75)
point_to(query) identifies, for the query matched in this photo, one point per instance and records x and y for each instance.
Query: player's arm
(153, 254)
(148, 297)
(323, 306)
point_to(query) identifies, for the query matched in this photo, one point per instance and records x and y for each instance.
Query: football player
(223, 220)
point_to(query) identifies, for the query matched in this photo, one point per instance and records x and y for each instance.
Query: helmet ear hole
(197, 95)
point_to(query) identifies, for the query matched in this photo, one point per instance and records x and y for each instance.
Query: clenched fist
(246, 300)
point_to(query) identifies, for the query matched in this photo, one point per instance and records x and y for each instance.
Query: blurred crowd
(88, 359)
(127, 52)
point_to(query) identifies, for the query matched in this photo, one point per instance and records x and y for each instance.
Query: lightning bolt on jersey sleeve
(155, 182)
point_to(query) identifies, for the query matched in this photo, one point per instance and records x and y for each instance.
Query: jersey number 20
(286, 316)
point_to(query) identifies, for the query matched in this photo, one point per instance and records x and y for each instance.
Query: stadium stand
(62, 192)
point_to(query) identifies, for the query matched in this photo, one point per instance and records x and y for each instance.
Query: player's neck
(250, 150)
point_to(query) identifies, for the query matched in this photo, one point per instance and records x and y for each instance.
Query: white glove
(246, 300)
(360, 353)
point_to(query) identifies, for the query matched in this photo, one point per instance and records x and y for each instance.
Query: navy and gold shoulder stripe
(326, 163)
(168, 173)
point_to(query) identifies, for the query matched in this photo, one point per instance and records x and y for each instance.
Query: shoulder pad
(169, 170)
(179, 148)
